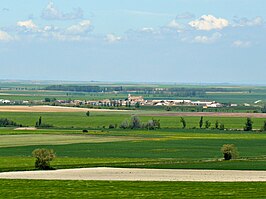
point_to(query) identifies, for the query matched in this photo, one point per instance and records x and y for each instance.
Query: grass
(119, 189)
(46, 139)
(149, 149)
(98, 120)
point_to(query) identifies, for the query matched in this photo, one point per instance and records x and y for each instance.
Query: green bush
(229, 151)
(43, 158)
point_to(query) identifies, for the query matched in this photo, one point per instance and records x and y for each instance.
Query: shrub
(85, 131)
(88, 113)
(221, 126)
(43, 158)
(111, 126)
(217, 124)
(207, 124)
(229, 151)
(4, 122)
(124, 125)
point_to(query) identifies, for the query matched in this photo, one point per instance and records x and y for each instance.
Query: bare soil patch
(46, 109)
(211, 114)
(132, 174)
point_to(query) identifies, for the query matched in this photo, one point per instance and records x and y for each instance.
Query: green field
(104, 119)
(169, 147)
(117, 189)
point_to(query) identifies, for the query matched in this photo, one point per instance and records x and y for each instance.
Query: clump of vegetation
(111, 126)
(4, 122)
(84, 131)
(222, 127)
(88, 113)
(153, 124)
(229, 151)
(43, 158)
(248, 125)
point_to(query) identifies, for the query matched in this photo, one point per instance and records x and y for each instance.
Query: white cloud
(52, 13)
(241, 44)
(111, 38)
(209, 22)
(257, 21)
(205, 39)
(4, 36)
(174, 24)
(29, 25)
(80, 28)
(147, 29)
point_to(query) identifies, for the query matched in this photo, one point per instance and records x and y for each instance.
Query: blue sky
(189, 41)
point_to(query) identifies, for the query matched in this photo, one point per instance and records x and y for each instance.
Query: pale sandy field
(131, 174)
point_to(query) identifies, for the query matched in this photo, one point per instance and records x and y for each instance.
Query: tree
(264, 126)
(183, 121)
(40, 121)
(229, 151)
(135, 122)
(88, 113)
(201, 122)
(248, 125)
(217, 124)
(137, 105)
(124, 125)
(263, 110)
(207, 124)
(43, 158)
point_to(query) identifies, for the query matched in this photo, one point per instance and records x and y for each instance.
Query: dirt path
(211, 114)
(131, 174)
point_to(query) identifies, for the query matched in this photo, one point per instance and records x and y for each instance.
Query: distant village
(130, 101)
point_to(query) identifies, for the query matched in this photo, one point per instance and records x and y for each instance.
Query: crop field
(103, 119)
(117, 189)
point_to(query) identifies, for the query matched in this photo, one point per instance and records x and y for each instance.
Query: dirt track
(46, 109)
(131, 174)
(212, 114)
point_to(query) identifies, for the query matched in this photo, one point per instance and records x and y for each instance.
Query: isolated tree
(229, 151)
(201, 122)
(88, 113)
(183, 121)
(248, 125)
(207, 124)
(43, 158)
(40, 121)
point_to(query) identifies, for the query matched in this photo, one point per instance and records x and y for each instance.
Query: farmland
(96, 140)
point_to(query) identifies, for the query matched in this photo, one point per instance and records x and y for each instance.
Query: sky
(181, 41)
